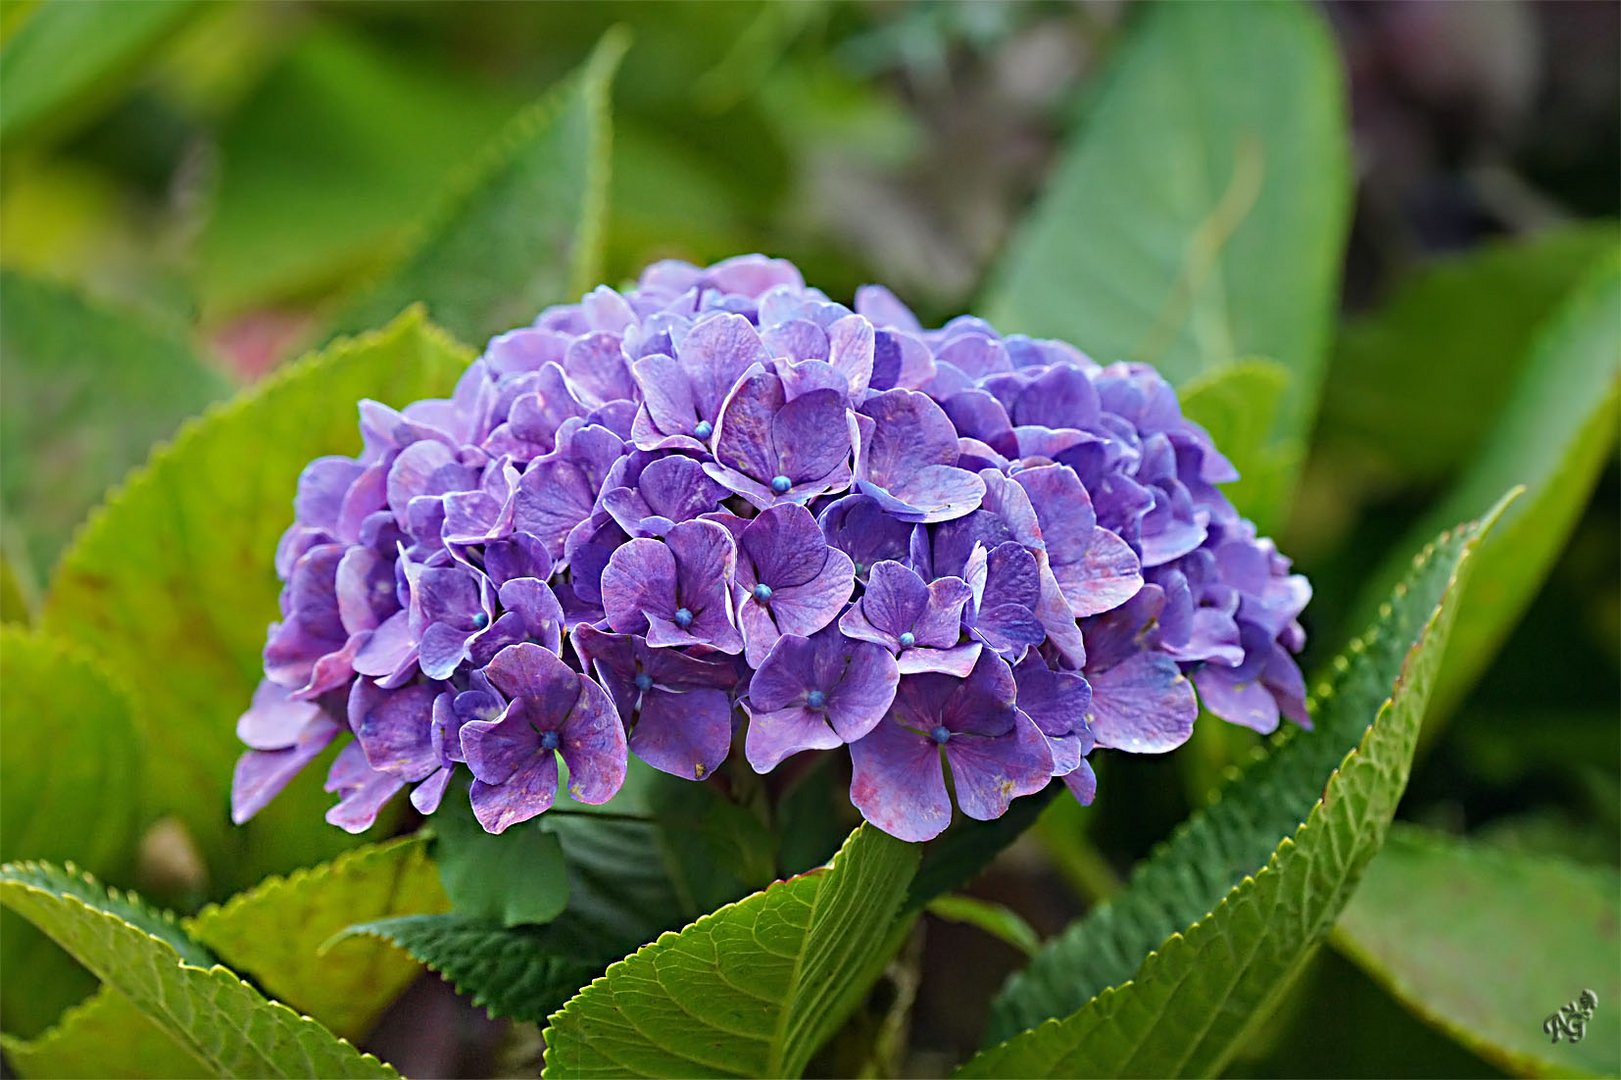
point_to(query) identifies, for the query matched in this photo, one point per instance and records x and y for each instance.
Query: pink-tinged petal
(990, 773)
(321, 490)
(1245, 702)
(898, 784)
(975, 354)
(390, 646)
(743, 434)
(593, 745)
(527, 794)
(1106, 577)
(596, 364)
(809, 436)
(365, 590)
(910, 432)
(933, 493)
(850, 351)
(781, 733)
(639, 578)
(885, 309)
(1143, 705)
(366, 496)
(714, 356)
(957, 661)
(362, 791)
(686, 735)
(796, 339)
(442, 650)
(668, 405)
(261, 774)
(275, 721)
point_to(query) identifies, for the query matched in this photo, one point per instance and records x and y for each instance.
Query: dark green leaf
(751, 990)
(528, 231)
(1458, 331)
(1217, 922)
(172, 583)
(1485, 945)
(278, 932)
(221, 1021)
(998, 920)
(70, 788)
(1557, 433)
(1199, 215)
(89, 390)
(515, 878)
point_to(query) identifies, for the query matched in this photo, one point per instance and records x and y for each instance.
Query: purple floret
(721, 503)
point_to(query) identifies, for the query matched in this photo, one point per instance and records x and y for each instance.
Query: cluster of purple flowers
(720, 501)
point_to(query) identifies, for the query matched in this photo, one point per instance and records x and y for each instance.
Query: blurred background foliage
(206, 184)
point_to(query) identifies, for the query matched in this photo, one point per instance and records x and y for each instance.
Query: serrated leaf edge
(166, 916)
(1341, 667)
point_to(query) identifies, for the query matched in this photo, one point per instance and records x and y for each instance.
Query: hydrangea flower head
(719, 512)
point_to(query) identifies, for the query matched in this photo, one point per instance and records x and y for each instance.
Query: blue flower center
(548, 740)
(704, 429)
(861, 568)
(644, 681)
(781, 484)
(908, 639)
(940, 734)
(683, 618)
(816, 699)
(762, 592)
(480, 621)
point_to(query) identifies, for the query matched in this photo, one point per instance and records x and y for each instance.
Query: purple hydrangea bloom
(551, 710)
(996, 752)
(721, 501)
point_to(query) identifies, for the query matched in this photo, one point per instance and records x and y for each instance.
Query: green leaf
(998, 920)
(1238, 404)
(172, 583)
(715, 849)
(750, 990)
(327, 164)
(1485, 944)
(228, 1026)
(621, 894)
(1214, 926)
(279, 931)
(1199, 215)
(1555, 437)
(88, 391)
(521, 972)
(1459, 331)
(528, 231)
(69, 57)
(515, 878)
(70, 788)
(104, 1036)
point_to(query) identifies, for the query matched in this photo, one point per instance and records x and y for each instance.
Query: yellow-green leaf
(279, 932)
(172, 584)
